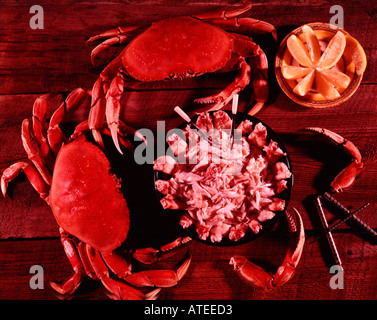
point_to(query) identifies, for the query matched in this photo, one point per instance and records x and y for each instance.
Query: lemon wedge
(336, 78)
(313, 44)
(325, 88)
(356, 53)
(333, 52)
(293, 73)
(305, 84)
(299, 51)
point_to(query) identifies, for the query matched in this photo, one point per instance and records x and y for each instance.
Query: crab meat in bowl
(225, 191)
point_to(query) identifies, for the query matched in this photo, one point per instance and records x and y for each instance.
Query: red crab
(178, 48)
(73, 177)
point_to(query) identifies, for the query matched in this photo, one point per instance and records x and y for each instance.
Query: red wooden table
(55, 59)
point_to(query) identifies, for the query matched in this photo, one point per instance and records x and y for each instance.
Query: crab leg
(89, 270)
(225, 13)
(33, 154)
(39, 125)
(105, 44)
(259, 69)
(337, 139)
(78, 98)
(70, 285)
(150, 255)
(241, 81)
(177, 242)
(260, 83)
(158, 278)
(83, 127)
(292, 258)
(100, 95)
(117, 35)
(32, 174)
(222, 18)
(251, 23)
(119, 31)
(347, 176)
(117, 264)
(258, 277)
(97, 110)
(118, 289)
(245, 47)
(113, 107)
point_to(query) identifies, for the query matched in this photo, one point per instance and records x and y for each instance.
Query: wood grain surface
(55, 60)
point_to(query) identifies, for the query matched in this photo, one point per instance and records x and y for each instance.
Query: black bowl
(175, 215)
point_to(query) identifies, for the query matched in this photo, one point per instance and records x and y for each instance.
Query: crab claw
(253, 274)
(287, 269)
(347, 176)
(260, 278)
(118, 290)
(158, 278)
(150, 255)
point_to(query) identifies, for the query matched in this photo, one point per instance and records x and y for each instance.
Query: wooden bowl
(313, 98)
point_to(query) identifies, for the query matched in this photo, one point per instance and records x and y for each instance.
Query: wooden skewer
(185, 117)
(234, 112)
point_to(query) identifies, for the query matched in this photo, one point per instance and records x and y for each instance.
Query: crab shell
(85, 197)
(147, 57)
(179, 48)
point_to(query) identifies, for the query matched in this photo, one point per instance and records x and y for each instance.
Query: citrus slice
(325, 88)
(355, 51)
(312, 43)
(293, 73)
(333, 52)
(305, 84)
(336, 78)
(298, 51)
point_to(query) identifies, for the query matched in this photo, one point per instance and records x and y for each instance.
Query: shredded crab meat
(225, 193)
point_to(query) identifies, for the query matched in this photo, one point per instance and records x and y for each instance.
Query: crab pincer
(347, 176)
(159, 278)
(259, 277)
